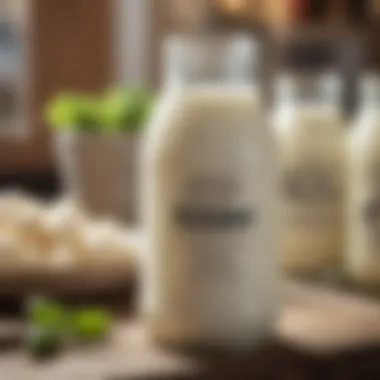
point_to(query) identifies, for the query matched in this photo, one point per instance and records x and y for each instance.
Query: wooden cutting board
(319, 331)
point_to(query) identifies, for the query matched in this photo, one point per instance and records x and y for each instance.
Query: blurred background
(92, 47)
(49, 46)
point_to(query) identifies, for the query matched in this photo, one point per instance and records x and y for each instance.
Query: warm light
(233, 6)
(375, 6)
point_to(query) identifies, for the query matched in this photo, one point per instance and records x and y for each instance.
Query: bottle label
(195, 216)
(371, 205)
(312, 195)
(212, 220)
(364, 218)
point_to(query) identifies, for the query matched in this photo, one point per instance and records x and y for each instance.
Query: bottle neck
(309, 92)
(207, 82)
(309, 105)
(210, 61)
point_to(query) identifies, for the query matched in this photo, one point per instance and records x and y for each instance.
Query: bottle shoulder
(207, 122)
(308, 119)
(208, 108)
(311, 133)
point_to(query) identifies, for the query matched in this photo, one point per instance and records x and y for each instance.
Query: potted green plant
(97, 147)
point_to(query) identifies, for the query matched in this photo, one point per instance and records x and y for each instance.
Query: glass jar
(311, 137)
(210, 180)
(363, 236)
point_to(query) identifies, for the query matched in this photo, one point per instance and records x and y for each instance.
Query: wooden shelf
(321, 334)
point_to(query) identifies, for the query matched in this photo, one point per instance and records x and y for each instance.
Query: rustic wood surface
(321, 334)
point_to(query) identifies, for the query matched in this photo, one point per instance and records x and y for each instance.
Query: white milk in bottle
(311, 137)
(363, 243)
(210, 200)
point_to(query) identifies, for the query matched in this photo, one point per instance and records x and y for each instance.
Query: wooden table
(321, 334)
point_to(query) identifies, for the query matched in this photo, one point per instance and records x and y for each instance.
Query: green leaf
(116, 111)
(88, 114)
(126, 110)
(61, 111)
(45, 312)
(43, 341)
(90, 324)
(51, 325)
(73, 112)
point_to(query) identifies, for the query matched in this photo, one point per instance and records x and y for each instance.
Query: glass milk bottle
(311, 137)
(210, 207)
(363, 245)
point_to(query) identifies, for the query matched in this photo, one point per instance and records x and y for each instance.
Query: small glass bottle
(210, 202)
(363, 244)
(312, 159)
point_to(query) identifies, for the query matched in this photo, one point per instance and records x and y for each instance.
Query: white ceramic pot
(100, 172)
